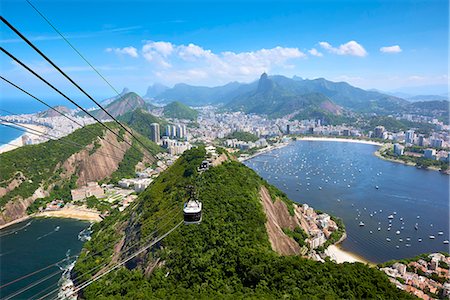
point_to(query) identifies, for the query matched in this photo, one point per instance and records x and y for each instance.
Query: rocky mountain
(50, 113)
(244, 247)
(276, 97)
(280, 89)
(127, 102)
(154, 90)
(109, 100)
(179, 110)
(32, 175)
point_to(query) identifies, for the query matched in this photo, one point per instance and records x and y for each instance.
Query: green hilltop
(179, 110)
(227, 256)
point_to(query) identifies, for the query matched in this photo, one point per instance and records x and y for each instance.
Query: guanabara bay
(224, 150)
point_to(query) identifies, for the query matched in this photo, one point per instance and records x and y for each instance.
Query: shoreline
(80, 214)
(409, 164)
(17, 142)
(335, 139)
(339, 255)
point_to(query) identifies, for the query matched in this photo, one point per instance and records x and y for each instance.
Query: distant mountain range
(277, 95)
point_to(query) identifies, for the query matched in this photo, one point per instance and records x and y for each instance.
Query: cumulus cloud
(191, 62)
(391, 49)
(131, 51)
(314, 52)
(349, 48)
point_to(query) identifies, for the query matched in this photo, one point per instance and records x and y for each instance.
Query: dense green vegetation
(227, 256)
(243, 136)
(298, 234)
(140, 121)
(94, 203)
(178, 110)
(38, 163)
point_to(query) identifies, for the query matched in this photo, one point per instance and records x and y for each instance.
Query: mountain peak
(265, 83)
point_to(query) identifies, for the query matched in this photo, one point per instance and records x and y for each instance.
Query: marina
(395, 220)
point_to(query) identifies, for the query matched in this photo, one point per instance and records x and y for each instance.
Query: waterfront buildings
(398, 149)
(430, 153)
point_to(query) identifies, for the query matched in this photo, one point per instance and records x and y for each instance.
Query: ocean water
(341, 178)
(34, 244)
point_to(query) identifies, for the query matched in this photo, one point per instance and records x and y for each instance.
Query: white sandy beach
(72, 213)
(341, 256)
(16, 143)
(331, 139)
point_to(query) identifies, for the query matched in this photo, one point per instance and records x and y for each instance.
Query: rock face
(18, 209)
(98, 165)
(278, 217)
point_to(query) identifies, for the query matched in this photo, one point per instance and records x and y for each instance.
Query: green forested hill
(179, 110)
(140, 121)
(227, 256)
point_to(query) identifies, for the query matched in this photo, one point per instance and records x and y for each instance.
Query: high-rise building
(154, 132)
(179, 131)
(421, 141)
(379, 130)
(398, 149)
(429, 154)
(168, 130)
(409, 137)
(437, 143)
(184, 130)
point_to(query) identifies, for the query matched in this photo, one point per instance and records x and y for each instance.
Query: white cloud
(314, 52)
(192, 62)
(131, 51)
(391, 49)
(349, 48)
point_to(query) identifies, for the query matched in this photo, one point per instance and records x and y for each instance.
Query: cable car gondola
(192, 210)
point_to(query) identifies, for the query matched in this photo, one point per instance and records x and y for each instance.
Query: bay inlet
(401, 206)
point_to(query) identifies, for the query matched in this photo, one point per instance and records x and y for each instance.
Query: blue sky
(388, 45)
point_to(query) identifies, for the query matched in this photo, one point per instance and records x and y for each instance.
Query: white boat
(377, 187)
(390, 217)
(445, 242)
(420, 240)
(361, 223)
(397, 232)
(440, 233)
(379, 228)
(388, 239)
(432, 237)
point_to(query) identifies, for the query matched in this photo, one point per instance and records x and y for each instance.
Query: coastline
(17, 142)
(336, 253)
(76, 213)
(334, 139)
(406, 163)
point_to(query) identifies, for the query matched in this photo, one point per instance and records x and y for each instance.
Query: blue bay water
(341, 178)
(34, 244)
